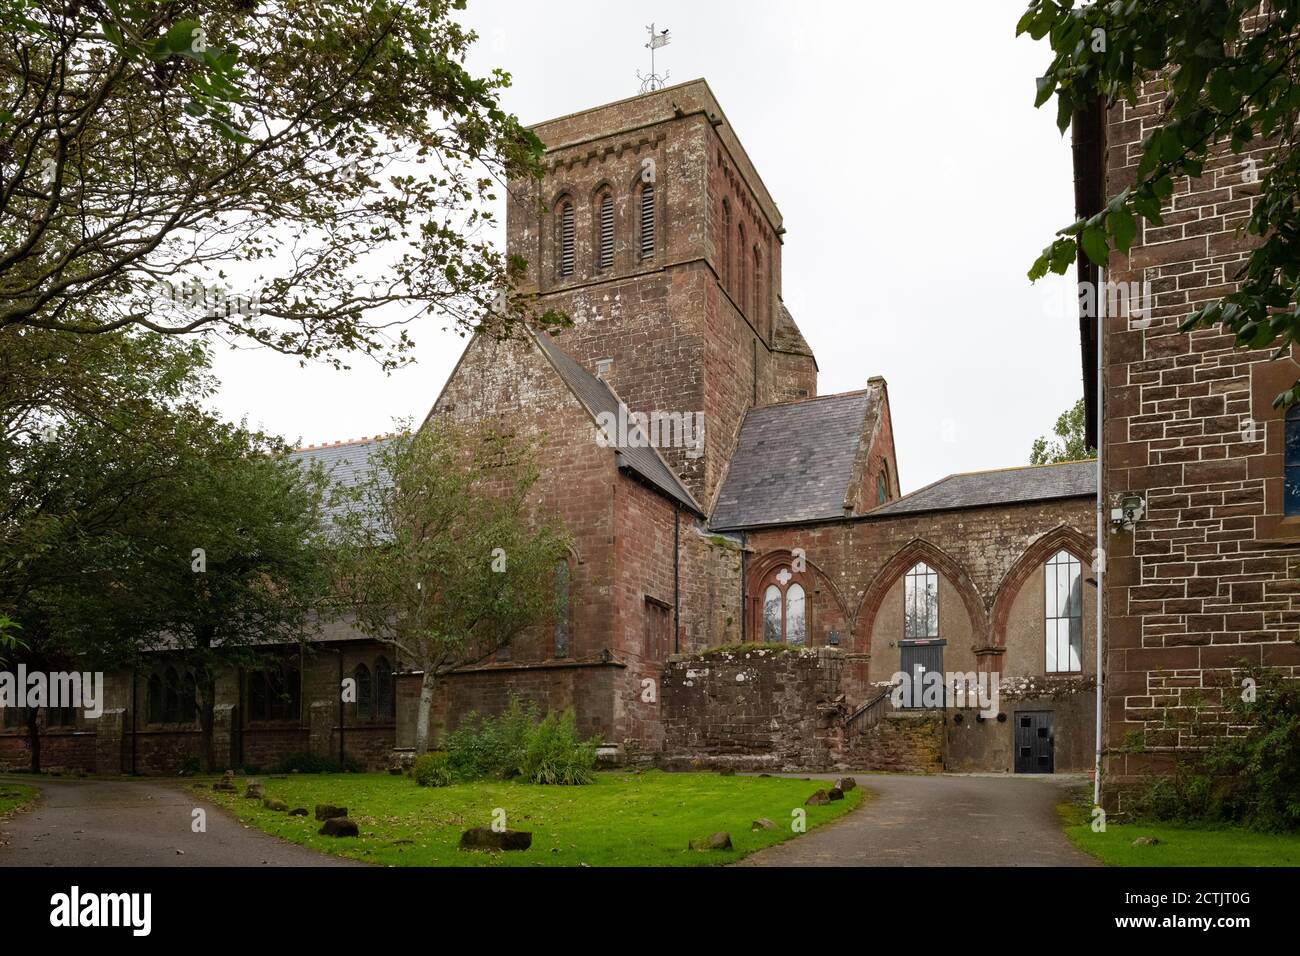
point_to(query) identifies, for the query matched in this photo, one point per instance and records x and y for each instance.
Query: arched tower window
(563, 622)
(567, 239)
(1291, 480)
(921, 602)
(605, 234)
(758, 290)
(725, 253)
(646, 243)
(361, 674)
(1063, 613)
(742, 293)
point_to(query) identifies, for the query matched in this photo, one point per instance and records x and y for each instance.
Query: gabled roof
(599, 399)
(794, 462)
(1074, 479)
(345, 464)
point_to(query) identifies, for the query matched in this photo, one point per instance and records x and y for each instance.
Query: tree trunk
(422, 715)
(207, 687)
(34, 738)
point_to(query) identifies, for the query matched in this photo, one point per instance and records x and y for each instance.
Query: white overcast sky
(916, 180)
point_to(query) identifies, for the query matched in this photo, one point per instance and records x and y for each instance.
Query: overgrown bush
(555, 754)
(521, 743)
(315, 763)
(433, 770)
(1251, 778)
(492, 746)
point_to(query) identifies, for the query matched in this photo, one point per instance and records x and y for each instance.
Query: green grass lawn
(1180, 844)
(15, 796)
(623, 819)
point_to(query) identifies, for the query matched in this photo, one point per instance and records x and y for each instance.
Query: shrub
(521, 743)
(1252, 778)
(432, 770)
(492, 746)
(315, 763)
(555, 754)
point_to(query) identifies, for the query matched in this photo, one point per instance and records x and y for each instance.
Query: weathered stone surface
(762, 823)
(254, 790)
(326, 811)
(716, 841)
(1146, 841)
(835, 793)
(298, 812)
(339, 827)
(485, 838)
(276, 804)
(819, 799)
(846, 783)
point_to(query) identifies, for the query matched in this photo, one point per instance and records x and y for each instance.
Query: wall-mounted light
(1128, 511)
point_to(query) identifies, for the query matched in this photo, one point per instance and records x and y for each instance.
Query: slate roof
(793, 462)
(598, 398)
(345, 463)
(1075, 479)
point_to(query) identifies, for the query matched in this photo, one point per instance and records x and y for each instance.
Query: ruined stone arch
(918, 549)
(1060, 538)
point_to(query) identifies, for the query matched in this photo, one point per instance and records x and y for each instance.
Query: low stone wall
(903, 741)
(753, 708)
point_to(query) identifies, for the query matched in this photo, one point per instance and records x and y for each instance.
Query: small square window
(1026, 751)
(1024, 721)
(1042, 731)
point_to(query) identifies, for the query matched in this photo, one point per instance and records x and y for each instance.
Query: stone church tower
(655, 233)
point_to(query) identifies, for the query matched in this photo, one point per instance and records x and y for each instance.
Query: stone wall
(1209, 579)
(767, 708)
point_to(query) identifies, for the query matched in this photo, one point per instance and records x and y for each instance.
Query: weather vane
(654, 81)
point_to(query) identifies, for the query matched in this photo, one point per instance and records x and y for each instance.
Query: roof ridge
(348, 442)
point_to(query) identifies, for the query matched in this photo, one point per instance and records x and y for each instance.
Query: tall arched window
(742, 291)
(563, 623)
(567, 239)
(785, 618)
(726, 245)
(172, 696)
(385, 698)
(155, 699)
(189, 699)
(757, 317)
(361, 674)
(646, 242)
(605, 235)
(921, 602)
(1291, 480)
(1063, 613)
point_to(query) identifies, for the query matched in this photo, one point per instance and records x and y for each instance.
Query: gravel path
(88, 822)
(941, 820)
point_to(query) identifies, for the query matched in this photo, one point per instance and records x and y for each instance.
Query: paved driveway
(136, 823)
(940, 820)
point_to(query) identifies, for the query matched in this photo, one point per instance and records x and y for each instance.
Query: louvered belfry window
(567, 237)
(606, 260)
(647, 220)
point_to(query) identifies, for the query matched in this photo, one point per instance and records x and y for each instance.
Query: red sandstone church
(743, 588)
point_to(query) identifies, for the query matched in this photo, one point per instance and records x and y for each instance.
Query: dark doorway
(919, 658)
(1035, 743)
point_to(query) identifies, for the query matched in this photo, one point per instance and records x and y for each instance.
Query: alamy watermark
(658, 429)
(937, 689)
(56, 689)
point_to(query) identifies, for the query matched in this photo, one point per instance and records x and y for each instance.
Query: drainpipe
(677, 561)
(342, 758)
(744, 587)
(1100, 559)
